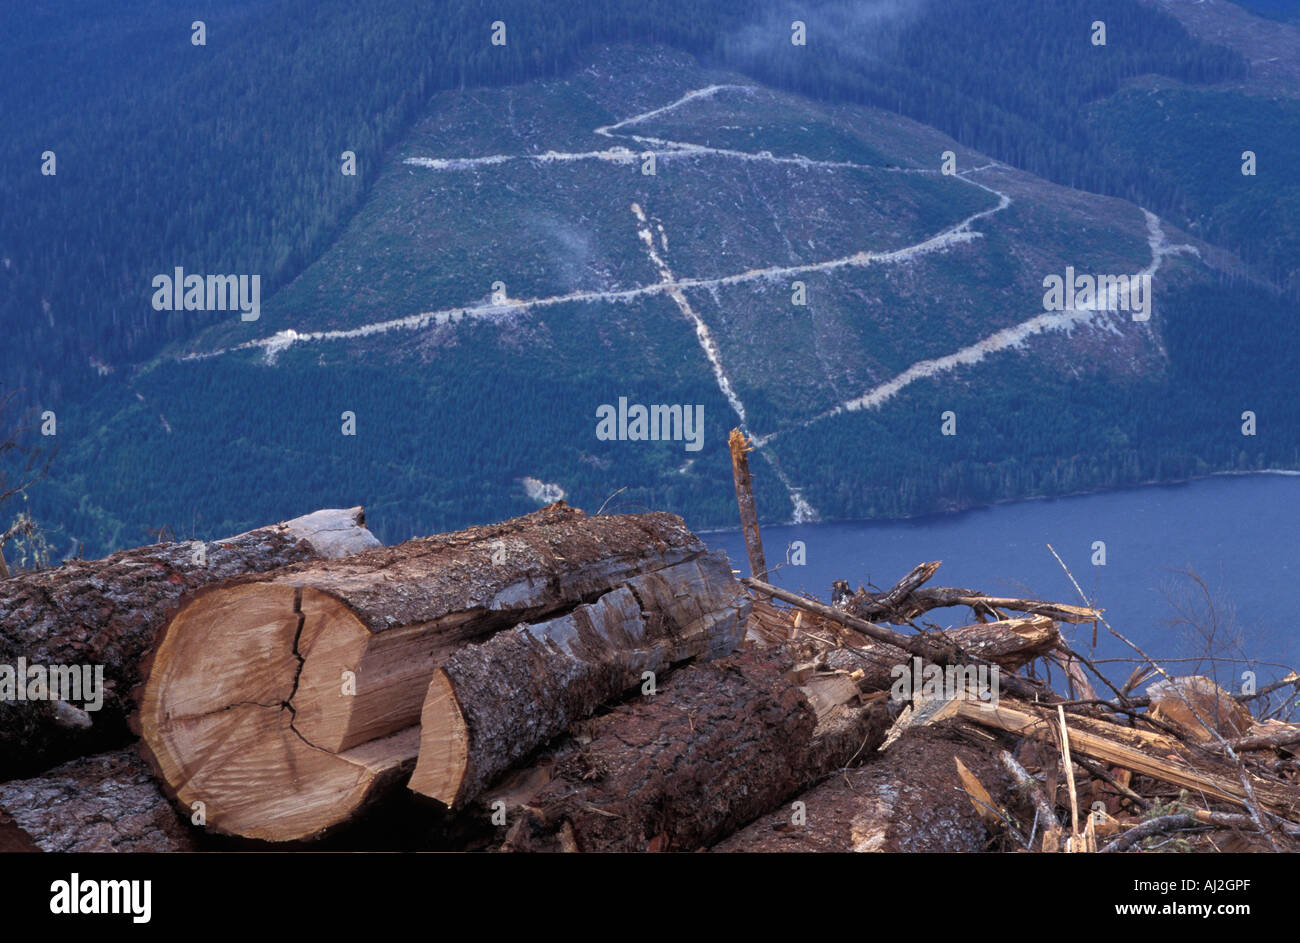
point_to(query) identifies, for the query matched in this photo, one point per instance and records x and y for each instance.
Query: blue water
(1239, 533)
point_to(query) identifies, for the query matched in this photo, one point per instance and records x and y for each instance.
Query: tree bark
(287, 702)
(106, 802)
(106, 613)
(720, 743)
(491, 705)
(911, 798)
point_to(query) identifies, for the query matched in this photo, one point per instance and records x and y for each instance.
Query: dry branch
(1218, 784)
(943, 648)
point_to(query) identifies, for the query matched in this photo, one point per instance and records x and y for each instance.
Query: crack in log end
(287, 703)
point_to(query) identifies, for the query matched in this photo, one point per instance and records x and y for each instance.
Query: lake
(1237, 532)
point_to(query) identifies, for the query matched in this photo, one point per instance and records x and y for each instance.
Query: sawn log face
(491, 705)
(107, 613)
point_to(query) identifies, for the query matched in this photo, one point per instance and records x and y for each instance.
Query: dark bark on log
(719, 744)
(491, 705)
(13, 838)
(908, 798)
(107, 613)
(97, 803)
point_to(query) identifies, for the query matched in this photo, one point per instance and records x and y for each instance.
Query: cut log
(491, 705)
(286, 702)
(106, 613)
(106, 802)
(910, 798)
(720, 743)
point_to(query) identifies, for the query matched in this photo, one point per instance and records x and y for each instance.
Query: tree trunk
(104, 614)
(721, 743)
(909, 798)
(563, 670)
(287, 702)
(97, 803)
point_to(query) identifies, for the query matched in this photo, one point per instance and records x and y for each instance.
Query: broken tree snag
(285, 702)
(492, 704)
(92, 613)
(721, 743)
(867, 605)
(745, 500)
(106, 802)
(910, 798)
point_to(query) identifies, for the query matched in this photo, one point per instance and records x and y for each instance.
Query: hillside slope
(924, 294)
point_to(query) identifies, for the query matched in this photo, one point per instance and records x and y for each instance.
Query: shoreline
(1277, 472)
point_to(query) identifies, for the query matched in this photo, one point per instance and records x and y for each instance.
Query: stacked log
(491, 705)
(281, 705)
(575, 682)
(721, 743)
(107, 802)
(910, 799)
(106, 613)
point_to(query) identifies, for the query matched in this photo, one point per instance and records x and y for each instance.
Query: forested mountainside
(225, 158)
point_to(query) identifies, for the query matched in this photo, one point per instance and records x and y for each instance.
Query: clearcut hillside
(513, 268)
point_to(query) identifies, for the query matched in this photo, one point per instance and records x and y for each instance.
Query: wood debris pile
(565, 682)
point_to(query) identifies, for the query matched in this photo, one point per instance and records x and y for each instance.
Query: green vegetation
(1190, 146)
(226, 158)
